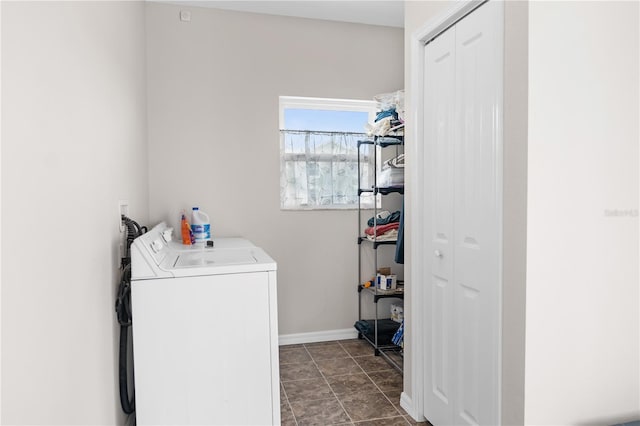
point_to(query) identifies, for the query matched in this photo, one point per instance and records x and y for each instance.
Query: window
(319, 152)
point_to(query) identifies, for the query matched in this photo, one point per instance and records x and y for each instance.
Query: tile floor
(339, 383)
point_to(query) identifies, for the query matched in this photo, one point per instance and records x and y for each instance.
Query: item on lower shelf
(400, 244)
(386, 282)
(391, 235)
(397, 312)
(392, 173)
(381, 229)
(398, 337)
(386, 330)
(384, 217)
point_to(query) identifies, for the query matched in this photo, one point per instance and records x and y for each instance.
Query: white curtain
(319, 170)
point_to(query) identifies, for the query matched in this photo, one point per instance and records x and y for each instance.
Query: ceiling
(377, 12)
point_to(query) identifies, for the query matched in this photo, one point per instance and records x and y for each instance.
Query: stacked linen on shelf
(383, 227)
(388, 232)
(392, 174)
(388, 125)
(390, 118)
(383, 217)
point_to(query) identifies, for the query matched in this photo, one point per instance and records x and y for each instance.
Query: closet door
(477, 214)
(439, 127)
(463, 161)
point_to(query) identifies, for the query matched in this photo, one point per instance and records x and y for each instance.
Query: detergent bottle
(200, 225)
(185, 229)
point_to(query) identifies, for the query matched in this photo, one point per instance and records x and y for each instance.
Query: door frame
(414, 404)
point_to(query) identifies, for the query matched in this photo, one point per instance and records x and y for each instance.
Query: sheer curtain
(319, 170)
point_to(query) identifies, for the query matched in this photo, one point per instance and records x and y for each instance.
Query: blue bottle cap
(196, 208)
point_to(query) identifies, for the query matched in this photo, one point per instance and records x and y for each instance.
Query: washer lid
(213, 257)
(212, 261)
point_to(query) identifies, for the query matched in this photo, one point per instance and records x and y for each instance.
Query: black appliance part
(123, 312)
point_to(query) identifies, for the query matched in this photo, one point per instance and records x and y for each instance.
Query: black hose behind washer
(123, 312)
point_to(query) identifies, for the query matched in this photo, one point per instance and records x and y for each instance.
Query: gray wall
(213, 87)
(582, 316)
(514, 210)
(73, 144)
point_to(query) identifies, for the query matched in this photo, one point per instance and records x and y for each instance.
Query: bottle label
(201, 232)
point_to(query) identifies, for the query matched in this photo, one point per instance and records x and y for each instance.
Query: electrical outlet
(185, 16)
(123, 209)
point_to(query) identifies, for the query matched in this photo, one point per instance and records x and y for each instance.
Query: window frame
(326, 104)
(329, 104)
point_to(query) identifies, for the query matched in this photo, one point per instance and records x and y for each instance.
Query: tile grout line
(353, 358)
(361, 369)
(382, 392)
(378, 387)
(284, 390)
(375, 384)
(288, 405)
(327, 382)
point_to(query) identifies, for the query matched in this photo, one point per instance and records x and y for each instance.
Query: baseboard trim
(317, 336)
(407, 404)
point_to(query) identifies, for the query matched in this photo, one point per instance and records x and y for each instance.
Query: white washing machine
(205, 332)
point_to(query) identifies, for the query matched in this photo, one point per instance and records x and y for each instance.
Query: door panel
(462, 148)
(476, 214)
(439, 124)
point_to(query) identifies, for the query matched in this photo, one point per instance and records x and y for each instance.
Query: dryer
(205, 333)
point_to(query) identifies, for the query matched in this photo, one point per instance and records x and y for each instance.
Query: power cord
(123, 313)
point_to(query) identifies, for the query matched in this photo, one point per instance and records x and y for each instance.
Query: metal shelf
(394, 356)
(376, 243)
(378, 332)
(384, 190)
(381, 294)
(383, 141)
(382, 346)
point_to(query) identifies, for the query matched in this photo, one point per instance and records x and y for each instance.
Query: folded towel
(381, 229)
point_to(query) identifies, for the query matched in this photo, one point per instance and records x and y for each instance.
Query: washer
(205, 333)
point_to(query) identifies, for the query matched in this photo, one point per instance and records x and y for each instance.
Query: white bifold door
(463, 205)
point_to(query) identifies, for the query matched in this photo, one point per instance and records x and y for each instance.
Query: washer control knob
(437, 253)
(157, 245)
(167, 234)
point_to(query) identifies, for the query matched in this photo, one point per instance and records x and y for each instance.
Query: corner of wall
(514, 210)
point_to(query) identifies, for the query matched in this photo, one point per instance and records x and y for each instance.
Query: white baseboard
(407, 404)
(317, 336)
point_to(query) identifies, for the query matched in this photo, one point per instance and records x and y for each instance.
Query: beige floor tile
(373, 363)
(351, 383)
(394, 397)
(294, 355)
(319, 412)
(413, 422)
(338, 367)
(357, 347)
(329, 342)
(286, 416)
(396, 357)
(329, 351)
(393, 421)
(368, 406)
(313, 373)
(299, 371)
(387, 380)
(283, 396)
(308, 390)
